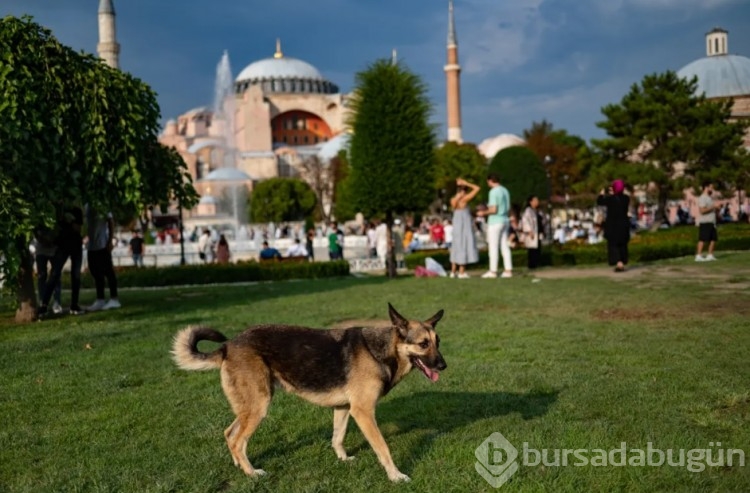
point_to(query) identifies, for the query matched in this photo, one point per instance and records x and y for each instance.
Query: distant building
(721, 75)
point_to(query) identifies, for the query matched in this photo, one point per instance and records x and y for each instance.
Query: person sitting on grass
(268, 253)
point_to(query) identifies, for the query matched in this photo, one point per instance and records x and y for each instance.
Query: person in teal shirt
(498, 207)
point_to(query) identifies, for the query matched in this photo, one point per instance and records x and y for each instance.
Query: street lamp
(548, 160)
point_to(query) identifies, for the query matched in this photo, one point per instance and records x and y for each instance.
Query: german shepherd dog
(346, 369)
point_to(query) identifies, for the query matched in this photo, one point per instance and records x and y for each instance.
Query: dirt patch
(628, 314)
(361, 322)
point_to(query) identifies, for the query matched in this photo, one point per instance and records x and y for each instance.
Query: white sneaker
(56, 308)
(489, 275)
(453, 275)
(112, 304)
(96, 306)
(506, 275)
(698, 258)
(709, 258)
(464, 275)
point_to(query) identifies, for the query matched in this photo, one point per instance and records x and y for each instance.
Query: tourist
(69, 245)
(496, 212)
(101, 231)
(463, 248)
(297, 249)
(617, 223)
(137, 248)
(707, 223)
(268, 253)
(44, 254)
(222, 250)
(532, 232)
(309, 245)
(335, 242)
(437, 233)
(205, 247)
(448, 228)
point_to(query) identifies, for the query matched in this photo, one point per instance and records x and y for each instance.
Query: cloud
(505, 34)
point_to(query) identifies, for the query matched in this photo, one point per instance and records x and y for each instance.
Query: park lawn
(94, 403)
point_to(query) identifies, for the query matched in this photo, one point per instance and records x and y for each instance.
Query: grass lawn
(94, 403)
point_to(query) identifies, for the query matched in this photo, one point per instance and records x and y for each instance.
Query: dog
(348, 370)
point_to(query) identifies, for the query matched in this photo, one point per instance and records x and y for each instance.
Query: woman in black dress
(617, 224)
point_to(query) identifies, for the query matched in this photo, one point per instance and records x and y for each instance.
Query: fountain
(226, 174)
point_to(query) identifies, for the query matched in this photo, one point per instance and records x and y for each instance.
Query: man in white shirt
(297, 249)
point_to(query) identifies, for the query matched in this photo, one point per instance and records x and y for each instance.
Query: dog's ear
(398, 321)
(433, 320)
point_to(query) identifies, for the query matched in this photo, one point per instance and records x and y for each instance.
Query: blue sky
(523, 60)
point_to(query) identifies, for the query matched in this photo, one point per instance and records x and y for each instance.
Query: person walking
(617, 223)
(496, 212)
(44, 254)
(707, 223)
(205, 250)
(463, 247)
(222, 251)
(137, 248)
(531, 225)
(101, 231)
(69, 245)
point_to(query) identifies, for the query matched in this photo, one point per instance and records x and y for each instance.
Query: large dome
(282, 68)
(720, 75)
(282, 74)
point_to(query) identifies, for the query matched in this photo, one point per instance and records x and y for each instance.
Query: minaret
(453, 82)
(108, 47)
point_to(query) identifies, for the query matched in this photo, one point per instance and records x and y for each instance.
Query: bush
(252, 271)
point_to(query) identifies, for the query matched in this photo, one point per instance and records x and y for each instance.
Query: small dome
(720, 76)
(227, 174)
(331, 149)
(491, 146)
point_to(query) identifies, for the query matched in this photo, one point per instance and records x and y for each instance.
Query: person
(44, 254)
(222, 250)
(205, 250)
(381, 240)
(296, 250)
(496, 212)
(101, 231)
(617, 223)
(268, 253)
(532, 232)
(309, 246)
(463, 248)
(335, 242)
(69, 245)
(372, 238)
(706, 223)
(437, 232)
(448, 228)
(137, 248)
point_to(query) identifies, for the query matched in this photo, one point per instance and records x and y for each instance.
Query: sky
(523, 61)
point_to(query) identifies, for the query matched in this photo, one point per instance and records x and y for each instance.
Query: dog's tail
(185, 349)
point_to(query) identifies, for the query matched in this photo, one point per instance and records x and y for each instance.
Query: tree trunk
(661, 208)
(390, 264)
(26, 297)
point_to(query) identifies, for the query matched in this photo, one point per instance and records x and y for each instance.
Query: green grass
(94, 403)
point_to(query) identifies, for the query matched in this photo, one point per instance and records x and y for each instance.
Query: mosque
(280, 111)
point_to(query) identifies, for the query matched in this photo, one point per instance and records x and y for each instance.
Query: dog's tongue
(432, 375)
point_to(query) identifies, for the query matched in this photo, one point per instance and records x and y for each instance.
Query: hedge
(644, 247)
(219, 273)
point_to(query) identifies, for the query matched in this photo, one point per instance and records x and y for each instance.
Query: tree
(321, 177)
(664, 135)
(344, 207)
(74, 131)
(521, 172)
(559, 152)
(453, 160)
(282, 199)
(392, 146)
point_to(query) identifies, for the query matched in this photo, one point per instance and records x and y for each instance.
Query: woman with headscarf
(617, 223)
(532, 230)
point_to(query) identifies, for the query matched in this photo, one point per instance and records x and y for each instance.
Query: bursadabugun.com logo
(498, 459)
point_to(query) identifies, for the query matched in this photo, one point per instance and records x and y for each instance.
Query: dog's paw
(399, 477)
(257, 473)
(347, 458)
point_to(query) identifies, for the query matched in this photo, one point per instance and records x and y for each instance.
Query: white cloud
(505, 34)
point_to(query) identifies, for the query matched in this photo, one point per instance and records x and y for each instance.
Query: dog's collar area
(433, 375)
